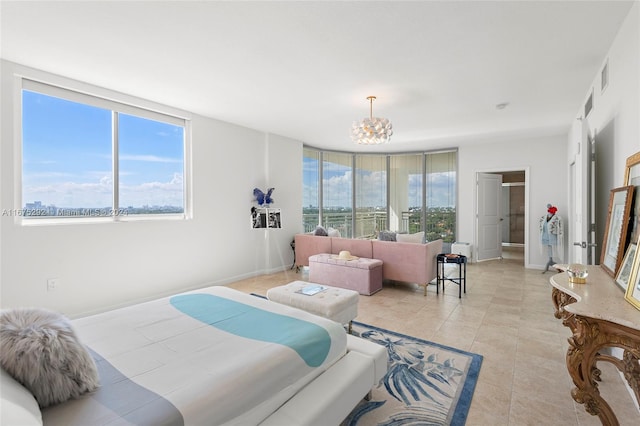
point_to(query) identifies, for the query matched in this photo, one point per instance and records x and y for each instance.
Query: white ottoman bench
(361, 274)
(337, 304)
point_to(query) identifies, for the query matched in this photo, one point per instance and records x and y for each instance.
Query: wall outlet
(53, 284)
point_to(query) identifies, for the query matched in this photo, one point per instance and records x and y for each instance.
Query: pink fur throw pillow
(41, 350)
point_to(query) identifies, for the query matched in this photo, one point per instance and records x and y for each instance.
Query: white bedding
(210, 375)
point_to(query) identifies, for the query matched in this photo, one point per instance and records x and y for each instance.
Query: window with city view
(421, 190)
(88, 157)
(337, 190)
(371, 195)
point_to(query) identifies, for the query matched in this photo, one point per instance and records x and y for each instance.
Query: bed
(217, 356)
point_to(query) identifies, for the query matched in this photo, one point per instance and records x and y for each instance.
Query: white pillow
(418, 238)
(17, 404)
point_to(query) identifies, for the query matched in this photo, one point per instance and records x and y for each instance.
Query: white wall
(111, 264)
(615, 118)
(615, 122)
(284, 174)
(543, 158)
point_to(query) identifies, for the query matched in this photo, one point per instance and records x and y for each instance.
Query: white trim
(115, 162)
(100, 102)
(38, 76)
(17, 146)
(187, 176)
(527, 184)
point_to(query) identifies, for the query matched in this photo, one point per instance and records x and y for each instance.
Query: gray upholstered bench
(361, 274)
(337, 304)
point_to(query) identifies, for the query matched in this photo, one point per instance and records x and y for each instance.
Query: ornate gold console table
(599, 318)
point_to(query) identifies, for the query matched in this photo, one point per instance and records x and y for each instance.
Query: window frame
(90, 95)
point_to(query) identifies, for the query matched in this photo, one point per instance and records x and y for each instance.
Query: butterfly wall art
(261, 198)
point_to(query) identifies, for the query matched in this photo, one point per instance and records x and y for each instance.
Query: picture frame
(615, 235)
(632, 294)
(632, 177)
(623, 275)
(265, 218)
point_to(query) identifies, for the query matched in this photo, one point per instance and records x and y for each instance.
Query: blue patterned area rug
(426, 383)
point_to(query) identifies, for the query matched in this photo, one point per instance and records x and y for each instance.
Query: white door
(489, 215)
(581, 220)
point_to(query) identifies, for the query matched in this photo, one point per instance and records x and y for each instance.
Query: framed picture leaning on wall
(624, 273)
(616, 231)
(632, 177)
(632, 295)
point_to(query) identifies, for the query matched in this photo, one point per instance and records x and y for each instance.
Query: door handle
(581, 244)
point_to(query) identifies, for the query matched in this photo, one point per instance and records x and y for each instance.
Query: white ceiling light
(372, 130)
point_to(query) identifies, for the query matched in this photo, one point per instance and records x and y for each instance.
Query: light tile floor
(506, 316)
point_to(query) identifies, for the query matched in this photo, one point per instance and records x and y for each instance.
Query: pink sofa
(407, 262)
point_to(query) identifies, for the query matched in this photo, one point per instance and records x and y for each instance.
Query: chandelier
(372, 130)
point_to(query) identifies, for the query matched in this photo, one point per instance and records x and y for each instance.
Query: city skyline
(337, 194)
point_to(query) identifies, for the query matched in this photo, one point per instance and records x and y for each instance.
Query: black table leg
(460, 280)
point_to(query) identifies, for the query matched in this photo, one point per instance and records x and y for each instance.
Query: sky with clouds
(337, 187)
(67, 156)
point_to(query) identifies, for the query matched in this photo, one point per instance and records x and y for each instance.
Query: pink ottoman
(362, 275)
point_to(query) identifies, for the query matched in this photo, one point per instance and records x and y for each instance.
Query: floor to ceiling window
(440, 176)
(404, 193)
(337, 192)
(371, 195)
(311, 188)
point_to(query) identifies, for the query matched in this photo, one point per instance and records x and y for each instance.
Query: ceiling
(304, 69)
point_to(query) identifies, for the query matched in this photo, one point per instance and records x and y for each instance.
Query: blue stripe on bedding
(309, 340)
(118, 400)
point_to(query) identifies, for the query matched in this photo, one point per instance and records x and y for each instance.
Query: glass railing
(440, 223)
(366, 223)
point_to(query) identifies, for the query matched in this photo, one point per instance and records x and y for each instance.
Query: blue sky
(337, 186)
(67, 156)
